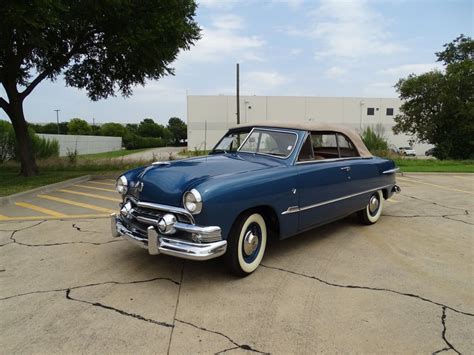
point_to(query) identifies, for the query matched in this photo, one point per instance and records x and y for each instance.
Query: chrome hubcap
(250, 243)
(373, 204)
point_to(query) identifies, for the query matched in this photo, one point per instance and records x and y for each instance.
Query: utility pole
(57, 118)
(238, 95)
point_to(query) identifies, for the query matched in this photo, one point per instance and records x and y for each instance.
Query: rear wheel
(371, 213)
(246, 244)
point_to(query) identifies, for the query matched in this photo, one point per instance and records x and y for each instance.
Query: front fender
(225, 198)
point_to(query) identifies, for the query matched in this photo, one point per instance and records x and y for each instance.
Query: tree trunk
(25, 151)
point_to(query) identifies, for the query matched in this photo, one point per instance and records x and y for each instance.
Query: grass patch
(110, 155)
(58, 169)
(193, 153)
(433, 165)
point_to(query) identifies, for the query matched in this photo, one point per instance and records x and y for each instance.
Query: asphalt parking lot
(403, 285)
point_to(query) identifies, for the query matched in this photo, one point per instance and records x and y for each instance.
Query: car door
(362, 172)
(323, 182)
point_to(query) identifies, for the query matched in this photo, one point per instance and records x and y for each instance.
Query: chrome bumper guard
(161, 244)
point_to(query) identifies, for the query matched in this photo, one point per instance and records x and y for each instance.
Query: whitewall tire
(246, 244)
(372, 212)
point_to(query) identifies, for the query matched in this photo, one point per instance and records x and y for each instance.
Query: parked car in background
(430, 152)
(259, 181)
(408, 151)
(393, 149)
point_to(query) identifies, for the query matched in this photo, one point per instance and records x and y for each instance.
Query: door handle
(346, 168)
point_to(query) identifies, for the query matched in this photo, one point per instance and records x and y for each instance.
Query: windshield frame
(267, 154)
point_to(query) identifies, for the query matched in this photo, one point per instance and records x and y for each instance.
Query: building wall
(209, 117)
(85, 144)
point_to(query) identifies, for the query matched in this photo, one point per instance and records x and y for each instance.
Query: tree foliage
(438, 107)
(101, 46)
(178, 129)
(79, 126)
(113, 130)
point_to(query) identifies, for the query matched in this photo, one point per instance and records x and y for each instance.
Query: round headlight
(192, 201)
(121, 185)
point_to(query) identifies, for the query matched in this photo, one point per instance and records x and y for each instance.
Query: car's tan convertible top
(350, 133)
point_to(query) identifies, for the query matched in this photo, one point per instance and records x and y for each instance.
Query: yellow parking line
(69, 216)
(39, 209)
(90, 195)
(100, 183)
(392, 200)
(96, 188)
(79, 204)
(438, 186)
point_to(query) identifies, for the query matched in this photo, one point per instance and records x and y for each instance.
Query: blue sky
(292, 47)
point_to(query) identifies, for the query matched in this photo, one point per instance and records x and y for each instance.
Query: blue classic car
(259, 181)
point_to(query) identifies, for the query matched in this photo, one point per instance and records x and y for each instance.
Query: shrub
(72, 156)
(132, 141)
(7, 141)
(374, 138)
(44, 148)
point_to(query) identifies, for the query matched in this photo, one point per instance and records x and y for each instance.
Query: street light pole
(238, 93)
(360, 118)
(57, 118)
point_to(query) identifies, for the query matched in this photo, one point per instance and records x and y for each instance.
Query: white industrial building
(209, 117)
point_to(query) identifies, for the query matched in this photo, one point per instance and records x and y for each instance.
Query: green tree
(148, 128)
(100, 46)
(79, 126)
(113, 130)
(178, 128)
(438, 106)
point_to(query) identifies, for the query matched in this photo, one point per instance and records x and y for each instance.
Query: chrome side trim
(172, 209)
(330, 160)
(291, 209)
(391, 171)
(294, 209)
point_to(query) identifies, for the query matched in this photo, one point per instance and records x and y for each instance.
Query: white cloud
(290, 3)
(228, 22)
(406, 69)
(262, 82)
(335, 72)
(219, 4)
(348, 29)
(224, 39)
(296, 51)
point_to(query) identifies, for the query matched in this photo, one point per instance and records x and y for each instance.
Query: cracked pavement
(403, 285)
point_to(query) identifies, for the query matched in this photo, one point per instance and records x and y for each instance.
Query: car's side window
(346, 148)
(324, 145)
(306, 152)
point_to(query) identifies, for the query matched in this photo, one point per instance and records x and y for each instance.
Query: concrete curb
(6, 200)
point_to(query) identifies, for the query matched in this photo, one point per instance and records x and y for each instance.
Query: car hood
(165, 183)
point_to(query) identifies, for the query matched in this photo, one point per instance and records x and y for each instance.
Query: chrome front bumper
(161, 244)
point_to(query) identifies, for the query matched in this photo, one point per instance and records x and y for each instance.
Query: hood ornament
(158, 163)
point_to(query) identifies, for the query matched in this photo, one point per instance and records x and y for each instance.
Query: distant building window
(370, 111)
(389, 111)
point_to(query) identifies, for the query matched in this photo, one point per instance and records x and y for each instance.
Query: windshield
(276, 143)
(231, 141)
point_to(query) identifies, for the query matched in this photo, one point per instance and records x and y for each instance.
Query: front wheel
(371, 213)
(246, 244)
